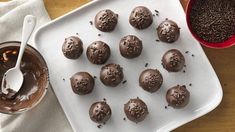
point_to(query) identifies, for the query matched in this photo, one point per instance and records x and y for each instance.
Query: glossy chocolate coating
(98, 52)
(82, 83)
(130, 46)
(151, 80)
(72, 47)
(111, 75)
(136, 110)
(141, 17)
(35, 74)
(178, 96)
(100, 112)
(106, 20)
(173, 60)
(168, 31)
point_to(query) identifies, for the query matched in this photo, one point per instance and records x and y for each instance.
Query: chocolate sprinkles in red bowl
(212, 23)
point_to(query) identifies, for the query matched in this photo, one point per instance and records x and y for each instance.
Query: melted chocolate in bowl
(35, 74)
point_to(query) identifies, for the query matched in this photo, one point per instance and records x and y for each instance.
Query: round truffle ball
(173, 60)
(136, 110)
(111, 75)
(106, 20)
(100, 112)
(130, 46)
(151, 80)
(178, 96)
(82, 83)
(72, 47)
(141, 17)
(98, 52)
(168, 31)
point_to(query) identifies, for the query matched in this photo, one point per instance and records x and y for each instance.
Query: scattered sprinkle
(104, 123)
(184, 65)
(190, 84)
(94, 77)
(157, 40)
(153, 15)
(186, 52)
(184, 71)
(124, 81)
(193, 55)
(91, 23)
(124, 118)
(99, 126)
(165, 107)
(99, 34)
(156, 11)
(77, 34)
(63, 79)
(157, 14)
(146, 64)
(104, 99)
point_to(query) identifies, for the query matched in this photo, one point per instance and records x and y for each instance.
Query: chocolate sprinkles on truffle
(98, 52)
(111, 75)
(130, 46)
(106, 20)
(136, 110)
(168, 31)
(150, 80)
(141, 17)
(173, 60)
(82, 83)
(178, 96)
(72, 47)
(100, 112)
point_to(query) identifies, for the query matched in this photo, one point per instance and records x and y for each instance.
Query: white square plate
(206, 91)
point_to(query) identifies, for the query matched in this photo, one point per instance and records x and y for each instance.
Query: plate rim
(168, 127)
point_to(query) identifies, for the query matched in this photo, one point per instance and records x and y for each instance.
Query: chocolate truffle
(173, 60)
(168, 31)
(130, 46)
(136, 110)
(106, 20)
(82, 83)
(100, 112)
(178, 96)
(111, 75)
(98, 52)
(150, 80)
(141, 17)
(72, 47)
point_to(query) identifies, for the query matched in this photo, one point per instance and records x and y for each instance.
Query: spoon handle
(28, 26)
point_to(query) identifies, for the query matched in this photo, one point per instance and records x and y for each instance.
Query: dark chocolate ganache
(35, 81)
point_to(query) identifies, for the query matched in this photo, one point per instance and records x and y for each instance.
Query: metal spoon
(13, 78)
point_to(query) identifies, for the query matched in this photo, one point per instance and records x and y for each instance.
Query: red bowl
(228, 43)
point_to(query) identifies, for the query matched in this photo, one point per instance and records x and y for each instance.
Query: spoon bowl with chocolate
(212, 23)
(35, 73)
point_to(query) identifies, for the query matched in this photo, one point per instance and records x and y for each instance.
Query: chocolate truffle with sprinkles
(111, 75)
(150, 80)
(98, 52)
(178, 96)
(82, 83)
(141, 17)
(168, 31)
(173, 60)
(136, 110)
(106, 20)
(100, 112)
(130, 46)
(72, 47)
